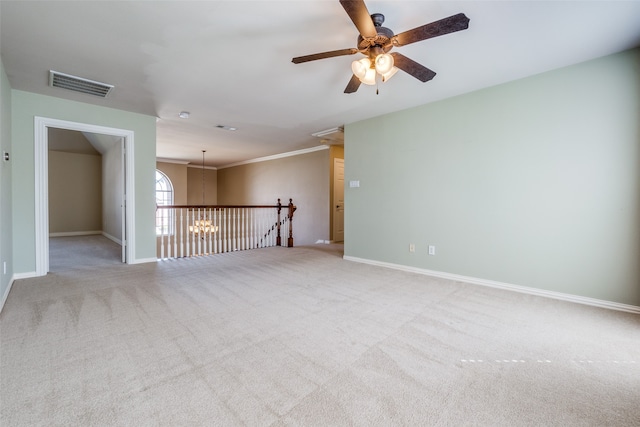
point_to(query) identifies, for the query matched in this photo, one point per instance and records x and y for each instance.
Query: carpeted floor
(298, 336)
(82, 252)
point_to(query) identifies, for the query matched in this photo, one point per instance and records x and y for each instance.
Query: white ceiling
(229, 62)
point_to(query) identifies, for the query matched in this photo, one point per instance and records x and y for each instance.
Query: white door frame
(337, 208)
(123, 198)
(41, 161)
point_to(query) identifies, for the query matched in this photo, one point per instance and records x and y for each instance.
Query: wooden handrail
(215, 206)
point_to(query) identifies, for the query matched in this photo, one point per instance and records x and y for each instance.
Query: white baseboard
(500, 285)
(6, 293)
(112, 238)
(74, 233)
(144, 260)
(16, 276)
(29, 275)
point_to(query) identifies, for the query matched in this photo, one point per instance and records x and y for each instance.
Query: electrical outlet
(412, 247)
(432, 250)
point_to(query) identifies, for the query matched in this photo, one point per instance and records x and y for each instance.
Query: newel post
(278, 238)
(292, 209)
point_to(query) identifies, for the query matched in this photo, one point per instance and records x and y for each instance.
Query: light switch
(354, 184)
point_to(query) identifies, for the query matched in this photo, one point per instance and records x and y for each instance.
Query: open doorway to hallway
(86, 187)
(125, 190)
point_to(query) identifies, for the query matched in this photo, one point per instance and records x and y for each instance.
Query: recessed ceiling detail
(226, 127)
(79, 84)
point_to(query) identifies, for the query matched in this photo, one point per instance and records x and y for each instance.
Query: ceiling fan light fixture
(384, 63)
(390, 74)
(370, 77)
(361, 67)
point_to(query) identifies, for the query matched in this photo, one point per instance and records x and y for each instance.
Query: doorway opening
(86, 191)
(121, 142)
(338, 200)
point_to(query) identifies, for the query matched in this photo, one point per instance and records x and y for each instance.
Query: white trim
(41, 161)
(277, 156)
(326, 132)
(29, 275)
(16, 276)
(86, 233)
(41, 146)
(177, 162)
(200, 167)
(112, 238)
(75, 233)
(506, 286)
(6, 293)
(143, 260)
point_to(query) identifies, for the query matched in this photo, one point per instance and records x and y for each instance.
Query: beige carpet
(82, 252)
(298, 336)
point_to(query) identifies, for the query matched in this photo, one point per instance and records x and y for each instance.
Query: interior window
(164, 196)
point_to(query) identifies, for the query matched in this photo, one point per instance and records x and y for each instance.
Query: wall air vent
(78, 84)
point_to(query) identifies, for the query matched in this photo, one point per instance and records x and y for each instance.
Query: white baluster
(252, 218)
(216, 229)
(172, 225)
(240, 229)
(211, 231)
(181, 231)
(159, 213)
(225, 239)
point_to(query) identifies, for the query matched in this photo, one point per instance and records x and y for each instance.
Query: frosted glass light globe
(360, 67)
(384, 63)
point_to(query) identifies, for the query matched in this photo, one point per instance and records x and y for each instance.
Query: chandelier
(202, 225)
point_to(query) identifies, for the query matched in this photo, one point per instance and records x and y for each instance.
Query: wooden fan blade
(410, 66)
(357, 11)
(438, 28)
(323, 55)
(353, 85)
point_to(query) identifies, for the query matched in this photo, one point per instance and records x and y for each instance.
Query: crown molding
(177, 162)
(213, 168)
(277, 156)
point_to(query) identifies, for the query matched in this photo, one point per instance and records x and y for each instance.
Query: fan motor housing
(382, 39)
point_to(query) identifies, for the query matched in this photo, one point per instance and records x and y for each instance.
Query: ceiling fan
(375, 41)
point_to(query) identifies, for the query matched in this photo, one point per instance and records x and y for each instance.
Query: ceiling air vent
(78, 84)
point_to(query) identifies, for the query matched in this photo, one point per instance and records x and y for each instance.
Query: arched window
(164, 196)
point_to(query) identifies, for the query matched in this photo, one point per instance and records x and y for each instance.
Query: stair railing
(195, 230)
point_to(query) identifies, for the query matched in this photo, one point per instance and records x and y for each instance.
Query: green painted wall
(6, 240)
(533, 183)
(25, 106)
